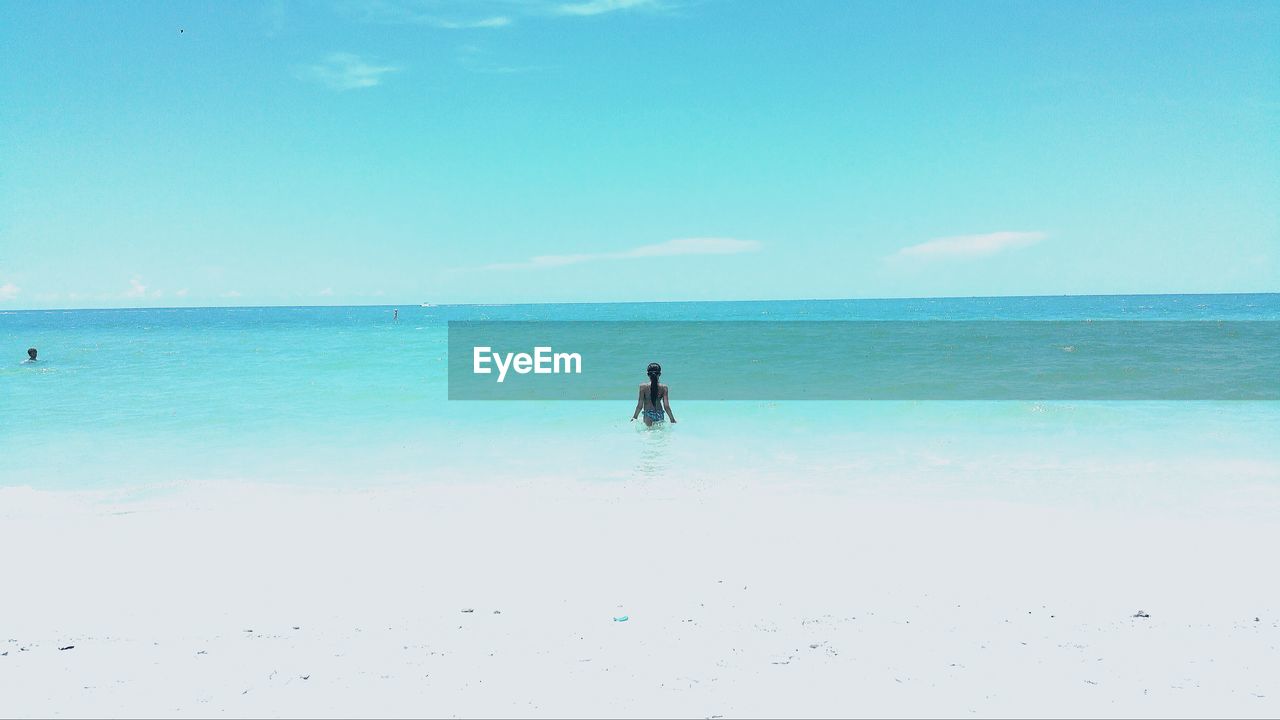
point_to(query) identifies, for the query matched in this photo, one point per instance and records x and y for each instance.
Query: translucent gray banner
(873, 360)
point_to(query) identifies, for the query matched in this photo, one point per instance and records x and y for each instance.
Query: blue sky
(388, 151)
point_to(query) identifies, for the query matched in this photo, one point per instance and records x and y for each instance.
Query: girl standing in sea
(654, 398)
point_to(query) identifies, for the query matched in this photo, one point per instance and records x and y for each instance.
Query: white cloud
(678, 246)
(471, 14)
(970, 246)
(496, 21)
(327, 292)
(136, 288)
(231, 294)
(180, 293)
(695, 246)
(394, 12)
(599, 7)
(345, 71)
(9, 291)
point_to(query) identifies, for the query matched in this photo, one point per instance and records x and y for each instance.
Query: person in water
(31, 355)
(654, 399)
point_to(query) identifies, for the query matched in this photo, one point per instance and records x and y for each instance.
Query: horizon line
(641, 302)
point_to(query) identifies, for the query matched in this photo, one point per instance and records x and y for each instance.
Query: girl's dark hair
(654, 370)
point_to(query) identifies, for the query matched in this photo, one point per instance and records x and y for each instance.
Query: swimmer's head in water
(31, 353)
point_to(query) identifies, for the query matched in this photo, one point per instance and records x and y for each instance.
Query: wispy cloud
(439, 15)
(679, 246)
(970, 246)
(136, 288)
(485, 14)
(9, 291)
(344, 71)
(496, 21)
(472, 14)
(327, 292)
(600, 7)
(231, 294)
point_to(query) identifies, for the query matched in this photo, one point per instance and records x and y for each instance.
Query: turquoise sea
(347, 396)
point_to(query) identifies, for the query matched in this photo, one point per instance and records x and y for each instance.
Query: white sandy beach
(500, 600)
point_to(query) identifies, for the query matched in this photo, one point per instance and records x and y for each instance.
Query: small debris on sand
(468, 610)
(69, 647)
(1141, 614)
(622, 618)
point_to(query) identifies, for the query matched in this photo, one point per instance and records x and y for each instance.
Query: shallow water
(347, 396)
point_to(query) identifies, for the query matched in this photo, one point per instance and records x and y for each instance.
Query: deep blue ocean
(347, 396)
